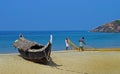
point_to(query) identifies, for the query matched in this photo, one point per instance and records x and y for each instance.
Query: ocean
(92, 39)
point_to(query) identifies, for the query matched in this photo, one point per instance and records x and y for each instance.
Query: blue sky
(57, 14)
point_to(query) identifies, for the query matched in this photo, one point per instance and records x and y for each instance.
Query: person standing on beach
(66, 42)
(82, 43)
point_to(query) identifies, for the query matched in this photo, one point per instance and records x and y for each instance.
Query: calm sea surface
(95, 40)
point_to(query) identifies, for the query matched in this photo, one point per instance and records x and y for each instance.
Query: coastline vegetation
(117, 22)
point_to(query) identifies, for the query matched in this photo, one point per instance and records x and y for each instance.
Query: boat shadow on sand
(50, 63)
(53, 64)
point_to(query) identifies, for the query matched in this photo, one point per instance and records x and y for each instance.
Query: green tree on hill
(117, 22)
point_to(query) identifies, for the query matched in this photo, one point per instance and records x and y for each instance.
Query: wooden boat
(34, 51)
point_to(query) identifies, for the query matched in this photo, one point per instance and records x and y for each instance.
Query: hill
(113, 26)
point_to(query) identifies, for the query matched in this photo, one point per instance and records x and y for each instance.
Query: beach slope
(71, 62)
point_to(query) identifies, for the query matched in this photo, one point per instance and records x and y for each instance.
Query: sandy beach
(63, 62)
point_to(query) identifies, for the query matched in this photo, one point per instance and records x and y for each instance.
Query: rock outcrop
(113, 26)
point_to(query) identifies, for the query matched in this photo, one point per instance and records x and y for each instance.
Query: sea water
(92, 39)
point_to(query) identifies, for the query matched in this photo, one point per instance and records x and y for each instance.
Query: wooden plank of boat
(33, 51)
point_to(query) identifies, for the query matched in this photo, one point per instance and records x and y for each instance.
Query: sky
(45, 15)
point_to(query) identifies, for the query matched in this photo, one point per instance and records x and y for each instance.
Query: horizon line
(44, 30)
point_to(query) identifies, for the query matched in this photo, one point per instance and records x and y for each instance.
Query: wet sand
(63, 62)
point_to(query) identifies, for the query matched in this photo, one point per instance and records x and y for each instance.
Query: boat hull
(33, 51)
(40, 57)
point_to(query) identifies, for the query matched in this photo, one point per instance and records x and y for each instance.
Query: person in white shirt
(66, 42)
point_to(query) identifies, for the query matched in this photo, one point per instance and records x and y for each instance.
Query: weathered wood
(33, 51)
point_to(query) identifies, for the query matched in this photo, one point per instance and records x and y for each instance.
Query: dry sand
(64, 62)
